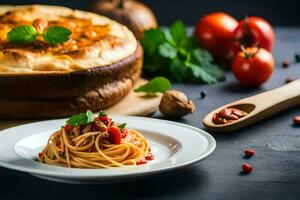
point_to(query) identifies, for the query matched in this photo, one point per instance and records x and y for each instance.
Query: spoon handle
(278, 99)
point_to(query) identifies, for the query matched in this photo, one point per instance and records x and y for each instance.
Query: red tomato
(215, 32)
(252, 31)
(253, 66)
(104, 119)
(68, 128)
(114, 135)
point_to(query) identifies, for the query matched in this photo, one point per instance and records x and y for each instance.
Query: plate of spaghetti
(92, 148)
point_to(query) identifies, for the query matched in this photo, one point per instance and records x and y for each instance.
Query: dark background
(276, 174)
(278, 12)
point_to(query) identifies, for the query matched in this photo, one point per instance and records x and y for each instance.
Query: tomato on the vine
(215, 32)
(253, 66)
(254, 31)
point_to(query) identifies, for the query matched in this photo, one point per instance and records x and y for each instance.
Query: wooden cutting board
(136, 104)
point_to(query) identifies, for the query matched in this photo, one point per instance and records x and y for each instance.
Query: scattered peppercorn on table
(275, 166)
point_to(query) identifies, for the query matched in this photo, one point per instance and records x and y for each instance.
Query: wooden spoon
(258, 107)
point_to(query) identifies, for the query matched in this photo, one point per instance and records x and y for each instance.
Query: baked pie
(93, 70)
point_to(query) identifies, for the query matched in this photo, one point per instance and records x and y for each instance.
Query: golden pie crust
(94, 70)
(95, 41)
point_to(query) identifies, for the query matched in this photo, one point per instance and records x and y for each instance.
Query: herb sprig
(81, 119)
(28, 33)
(174, 54)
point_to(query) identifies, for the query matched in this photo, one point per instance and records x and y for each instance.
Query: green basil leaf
(168, 51)
(102, 113)
(122, 126)
(81, 119)
(215, 71)
(22, 34)
(178, 32)
(169, 37)
(202, 56)
(178, 71)
(157, 84)
(176, 55)
(201, 75)
(205, 59)
(90, 116)
(56, 35)
(151, 40)
(189, 43)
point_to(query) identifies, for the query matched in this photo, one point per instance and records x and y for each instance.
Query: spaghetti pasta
(96, 145)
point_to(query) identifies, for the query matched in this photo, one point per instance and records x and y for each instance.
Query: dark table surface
(276, 163)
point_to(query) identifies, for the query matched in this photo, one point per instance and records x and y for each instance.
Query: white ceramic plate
(174, 145)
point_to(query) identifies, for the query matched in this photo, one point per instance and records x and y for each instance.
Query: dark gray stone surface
(276, 163)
